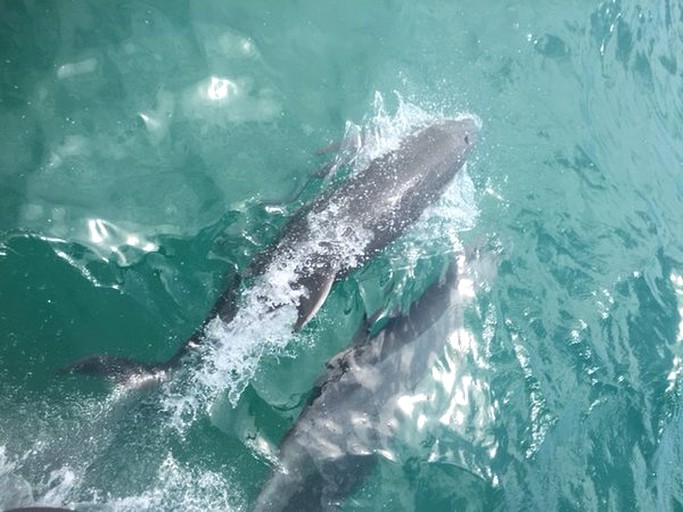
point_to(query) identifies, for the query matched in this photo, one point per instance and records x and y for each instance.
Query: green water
(150, 150)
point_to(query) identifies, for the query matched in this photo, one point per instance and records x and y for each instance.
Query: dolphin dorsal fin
(317, 287)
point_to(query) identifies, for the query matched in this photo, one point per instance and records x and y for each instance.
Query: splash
(264, 322)
(15, 489)
(176, 486)
(18, 491)
(179, 487)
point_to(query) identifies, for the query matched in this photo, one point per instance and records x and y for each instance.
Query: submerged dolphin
(334, 234)
(332, 446)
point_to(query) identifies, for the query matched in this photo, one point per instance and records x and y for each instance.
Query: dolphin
(333, 444)
(331, 236)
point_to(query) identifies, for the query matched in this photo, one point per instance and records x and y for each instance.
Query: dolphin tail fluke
(124, 370)
(119, 369)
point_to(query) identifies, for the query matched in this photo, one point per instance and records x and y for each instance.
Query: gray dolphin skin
(333, 444)
(335, 234)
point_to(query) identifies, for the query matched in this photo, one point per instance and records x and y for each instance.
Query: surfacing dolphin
(335, 234)
(333, 444)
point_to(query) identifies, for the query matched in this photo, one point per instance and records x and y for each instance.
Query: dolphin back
(333, 445)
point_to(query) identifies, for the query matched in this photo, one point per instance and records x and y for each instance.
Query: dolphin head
(461, 134)
(442, 149)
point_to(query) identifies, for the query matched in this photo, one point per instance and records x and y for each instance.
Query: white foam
(179, 487)
(16, 491)
(264, 322)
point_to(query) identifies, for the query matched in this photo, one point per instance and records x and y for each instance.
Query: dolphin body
(333, 444)
(333, 235)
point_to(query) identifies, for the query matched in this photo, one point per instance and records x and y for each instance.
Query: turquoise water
(149, 150)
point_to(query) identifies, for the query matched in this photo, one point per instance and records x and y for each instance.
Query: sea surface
(150, 150)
